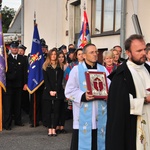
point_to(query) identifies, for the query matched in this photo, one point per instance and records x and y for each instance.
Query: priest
(128, 108)
(89, 114)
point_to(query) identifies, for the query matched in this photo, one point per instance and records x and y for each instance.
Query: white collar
(14, 55)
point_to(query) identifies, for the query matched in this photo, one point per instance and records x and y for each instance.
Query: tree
(7, 16)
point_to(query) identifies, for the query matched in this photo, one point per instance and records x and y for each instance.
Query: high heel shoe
(54, 134)
(50, 134)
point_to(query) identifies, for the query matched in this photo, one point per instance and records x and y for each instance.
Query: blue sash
(102, 118)
(85, 116)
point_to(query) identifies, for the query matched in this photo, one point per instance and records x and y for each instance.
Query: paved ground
(27, 138)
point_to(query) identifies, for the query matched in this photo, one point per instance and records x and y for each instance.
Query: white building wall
(144, 17)
(50, 17)
(52, 23)
(141, 8)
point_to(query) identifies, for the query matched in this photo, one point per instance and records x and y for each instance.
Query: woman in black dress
(53, 93)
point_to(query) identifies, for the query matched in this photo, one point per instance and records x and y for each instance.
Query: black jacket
(121, 126)
(53, 82)
(16, 75)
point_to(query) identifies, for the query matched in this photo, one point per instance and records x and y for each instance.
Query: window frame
(104, 33)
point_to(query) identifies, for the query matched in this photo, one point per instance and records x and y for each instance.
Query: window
(106, 17)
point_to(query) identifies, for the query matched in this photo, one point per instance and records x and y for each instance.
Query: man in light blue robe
(89, 114)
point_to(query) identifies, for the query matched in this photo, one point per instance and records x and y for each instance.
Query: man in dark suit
(25, 94)
(16, 78)
(44, 48)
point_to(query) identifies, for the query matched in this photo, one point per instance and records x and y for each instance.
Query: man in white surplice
(77, 91)
(128, 119)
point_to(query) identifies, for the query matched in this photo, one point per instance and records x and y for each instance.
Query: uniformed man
(25, 95)
(21, 49)
(44, 48)
(16, 79)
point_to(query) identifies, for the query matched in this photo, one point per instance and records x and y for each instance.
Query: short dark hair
(117, 46)
(70, 45)
(86, 46)
(129, 40)
(148, 46)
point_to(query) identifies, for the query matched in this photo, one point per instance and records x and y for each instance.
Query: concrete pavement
(27, 138)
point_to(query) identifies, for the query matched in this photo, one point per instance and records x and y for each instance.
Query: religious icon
(97, 84)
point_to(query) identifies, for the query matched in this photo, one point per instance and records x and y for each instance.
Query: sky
(11, 4)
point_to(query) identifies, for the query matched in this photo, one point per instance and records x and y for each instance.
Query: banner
(36, 60)
(84, 36)
(3, 61)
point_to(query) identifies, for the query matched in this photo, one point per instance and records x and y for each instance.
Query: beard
(138, 62)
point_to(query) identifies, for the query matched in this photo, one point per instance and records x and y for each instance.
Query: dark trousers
(62, 113)
(25, 104)
(52, 112)
(74, 141)
(12, 106)
(44, 113)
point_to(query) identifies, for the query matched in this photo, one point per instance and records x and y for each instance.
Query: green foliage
(7, 16)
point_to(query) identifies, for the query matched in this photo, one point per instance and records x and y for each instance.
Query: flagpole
(0, 108)
(84, 7)
(34, 18)
(34, 105)
(0, 89)
(34, 95)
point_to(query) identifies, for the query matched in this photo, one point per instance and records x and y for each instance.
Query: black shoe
(55, 134)
(19, 124)
(58, 131)
(50, 134)
(45, 125)
(7, 128)
(63, 131)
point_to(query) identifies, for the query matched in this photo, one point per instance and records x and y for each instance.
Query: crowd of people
(118, 122)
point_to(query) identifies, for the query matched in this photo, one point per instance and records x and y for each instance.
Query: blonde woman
(53, 93)
(108, 61)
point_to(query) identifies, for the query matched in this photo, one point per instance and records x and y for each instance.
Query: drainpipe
(123, 27)
(22, 21)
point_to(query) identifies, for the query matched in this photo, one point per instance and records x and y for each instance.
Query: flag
(84, 36)
(3, 61)
(36, 60)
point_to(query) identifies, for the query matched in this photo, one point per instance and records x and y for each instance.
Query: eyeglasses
(93, 52)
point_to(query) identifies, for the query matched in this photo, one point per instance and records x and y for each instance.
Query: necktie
(15, 57)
